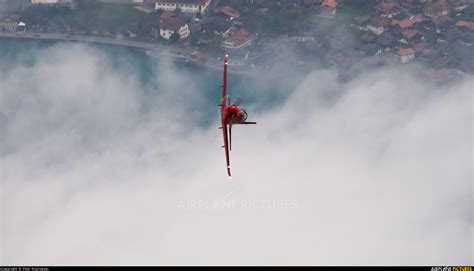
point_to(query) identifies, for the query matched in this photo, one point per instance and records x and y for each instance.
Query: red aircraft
(231, 114)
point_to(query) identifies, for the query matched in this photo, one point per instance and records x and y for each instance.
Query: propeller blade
(226, 100)
(238, 101)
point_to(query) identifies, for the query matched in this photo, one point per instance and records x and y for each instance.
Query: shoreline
(151, 50)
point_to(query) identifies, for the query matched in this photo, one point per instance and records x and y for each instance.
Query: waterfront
(152, 49)
(135, 62)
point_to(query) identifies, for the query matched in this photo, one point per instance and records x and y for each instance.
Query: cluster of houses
(398, 31)
(174, 20)
(324, 8)
(409, 29)
(393, 31)
(171, 24)
(221, 22)
(11, 23)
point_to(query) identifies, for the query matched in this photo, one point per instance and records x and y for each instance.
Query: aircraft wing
(224, 102)
(226, 147)
(224, 83)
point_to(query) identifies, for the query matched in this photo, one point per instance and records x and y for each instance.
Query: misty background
(105, 163)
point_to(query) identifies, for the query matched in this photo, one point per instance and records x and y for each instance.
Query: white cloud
(380, 169)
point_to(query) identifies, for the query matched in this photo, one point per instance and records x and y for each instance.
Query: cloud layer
(98, 168)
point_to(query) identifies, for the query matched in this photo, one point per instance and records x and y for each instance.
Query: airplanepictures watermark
(223, 204)
(451, 268)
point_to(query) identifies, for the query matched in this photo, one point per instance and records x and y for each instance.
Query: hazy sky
(382, 174)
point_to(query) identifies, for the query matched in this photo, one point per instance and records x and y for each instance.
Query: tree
(177, 11)
(175, 37)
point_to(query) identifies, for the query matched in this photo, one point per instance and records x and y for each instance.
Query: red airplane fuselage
(232, 114)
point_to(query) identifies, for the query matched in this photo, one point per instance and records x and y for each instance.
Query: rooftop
(438, 7)
(410, 33)
(172, 23)
(228, 11)
(409, 22)
(238, 37)
(329, 3)
(469, 25)
(386, 7)
(405, 51)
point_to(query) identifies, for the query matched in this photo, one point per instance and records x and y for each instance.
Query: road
(79, 38)
(153, 50)
(157, 50)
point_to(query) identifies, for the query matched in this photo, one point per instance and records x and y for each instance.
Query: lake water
(260, 92)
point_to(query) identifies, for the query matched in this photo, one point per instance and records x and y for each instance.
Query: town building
(405, 55)
(328, 8)
(9, 22)
(174, 24)
(186, 6)
(215, 24)
(438, 9)
(44, 1)
(228, 12)
(302, 38)
(411, 35)
(236, 39)
(458, 5)
(376, 25)
(465, 24)
(69, 3)
(409, 22)
(387, 9)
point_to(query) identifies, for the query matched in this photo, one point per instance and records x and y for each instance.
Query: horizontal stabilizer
(247, 122)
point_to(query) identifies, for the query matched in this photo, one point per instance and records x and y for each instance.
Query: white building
(44, 1)
(186, 6)
(69, 3)
(52, 2)
(302, 39)
(405, 55)
(376, 26)
(376, 29)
